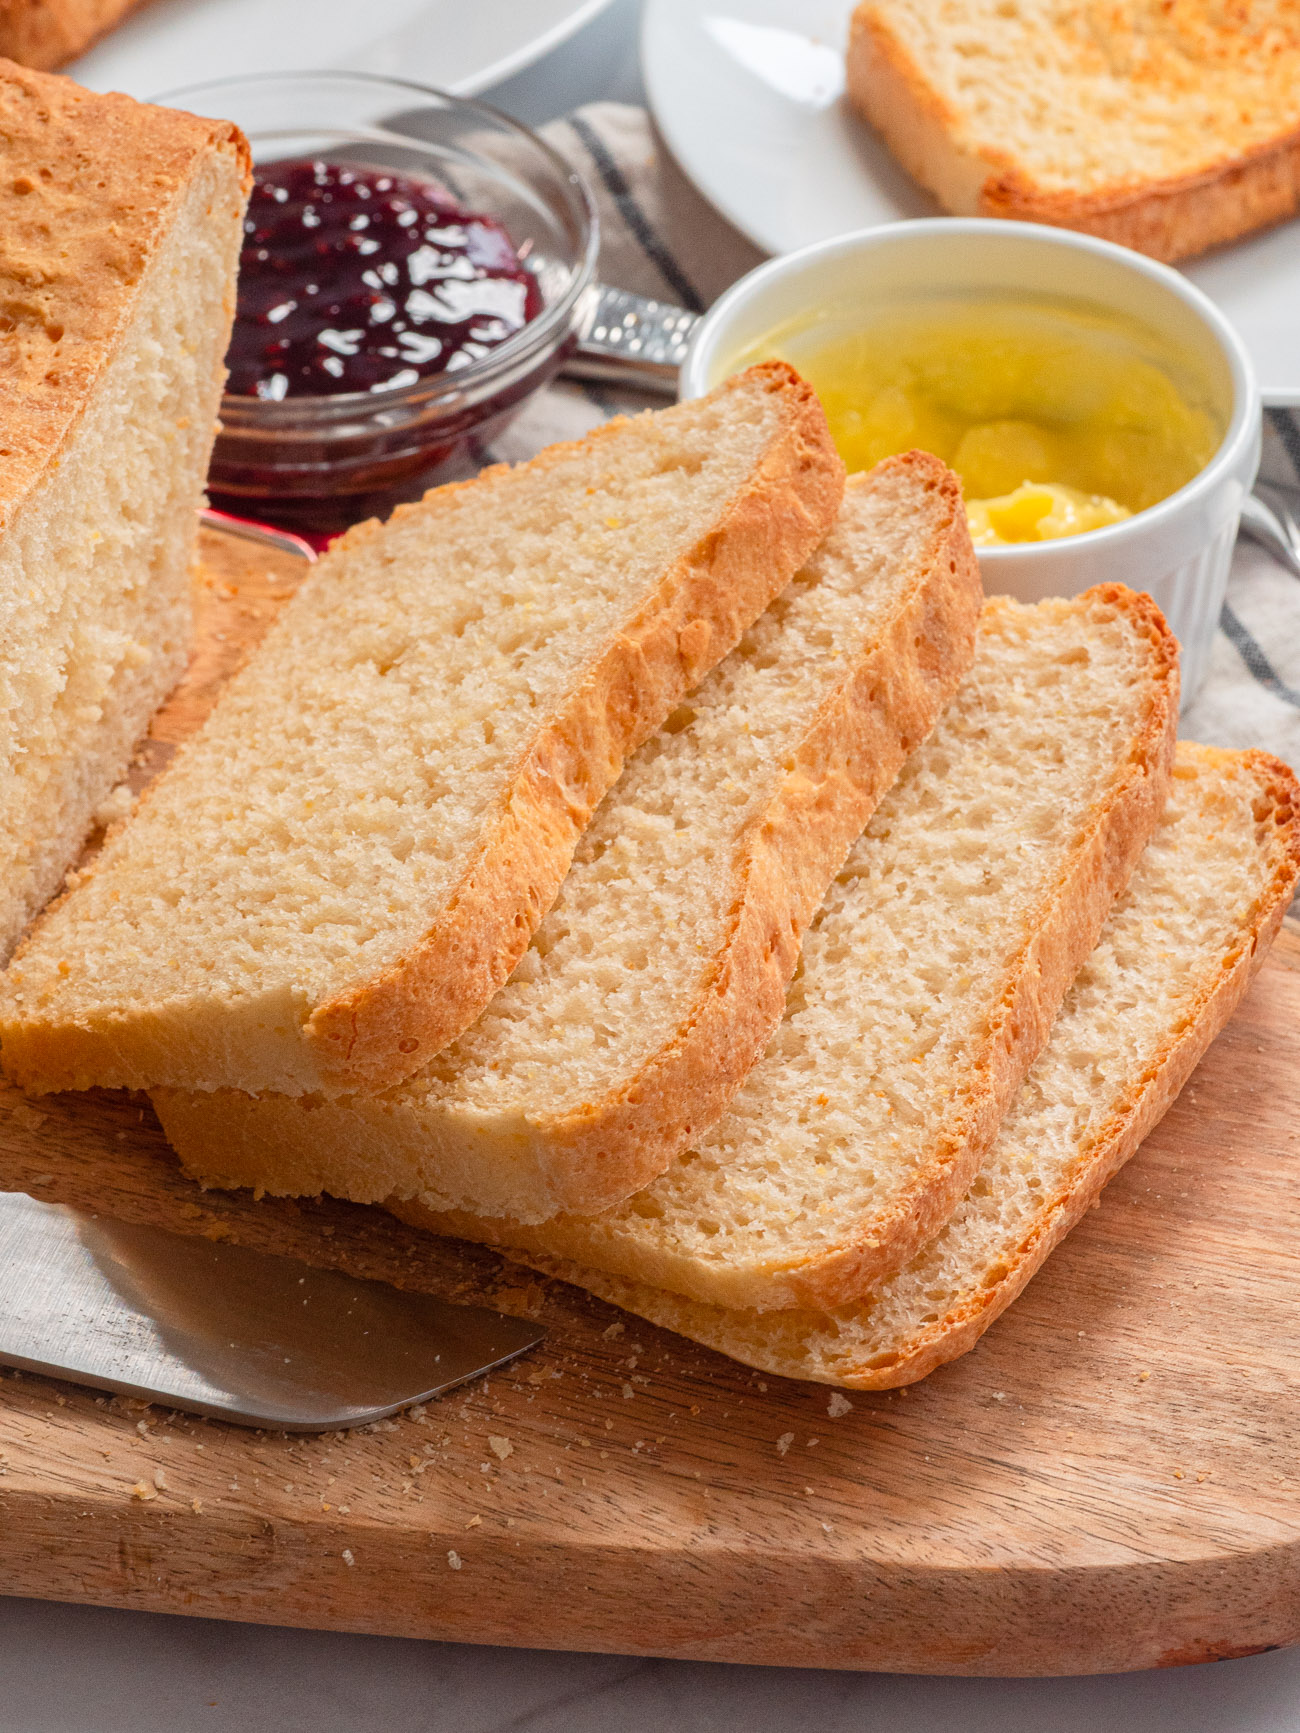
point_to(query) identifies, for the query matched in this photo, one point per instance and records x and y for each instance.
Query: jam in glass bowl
(413, 268)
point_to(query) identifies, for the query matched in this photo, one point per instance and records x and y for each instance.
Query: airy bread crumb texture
(1173, 961)
(645, 906)
(352, 775)
(1166, 126)
(112, 348)
(928, 978)
(658, 976)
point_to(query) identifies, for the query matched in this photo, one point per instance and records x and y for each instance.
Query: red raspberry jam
(357, 279)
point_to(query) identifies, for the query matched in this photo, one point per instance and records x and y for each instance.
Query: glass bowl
(320, 463)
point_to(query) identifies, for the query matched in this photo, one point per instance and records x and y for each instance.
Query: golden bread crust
(88, 184)
(848, 760)
(958, 1329)
(1151, 1097)
(1036, 985)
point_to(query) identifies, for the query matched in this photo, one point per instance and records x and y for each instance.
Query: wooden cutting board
(1109, 1481)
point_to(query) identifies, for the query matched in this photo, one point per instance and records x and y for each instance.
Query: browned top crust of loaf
(88, 184)
(1226, 80)
(48, 33)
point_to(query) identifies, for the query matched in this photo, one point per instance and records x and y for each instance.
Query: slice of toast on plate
(1167, 128)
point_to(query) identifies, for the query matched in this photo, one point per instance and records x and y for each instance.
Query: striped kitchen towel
(660, 238)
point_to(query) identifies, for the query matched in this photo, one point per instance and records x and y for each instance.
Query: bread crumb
(28, 1118)
(628, 1393)
(143, 1492)
(612, 1331)
(500, 1447)
(347, 1556)
(1143, 1376)
(474, 1522)
(838, 1405)
(115, 806)
(160, 1479)
(784, 1442)
(453, 1559)
(196, 1505)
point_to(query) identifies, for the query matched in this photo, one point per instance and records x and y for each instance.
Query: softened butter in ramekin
(1059, 416)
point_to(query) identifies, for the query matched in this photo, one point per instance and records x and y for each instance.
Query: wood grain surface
(1109, 1481)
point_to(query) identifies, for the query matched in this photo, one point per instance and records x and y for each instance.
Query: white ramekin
(1178, 551)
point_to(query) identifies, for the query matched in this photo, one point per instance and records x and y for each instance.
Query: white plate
(459, 45)
(749, 96)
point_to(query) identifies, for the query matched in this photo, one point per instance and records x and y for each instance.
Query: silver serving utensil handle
(1275, 530)
(626, 339)
(220, 1330)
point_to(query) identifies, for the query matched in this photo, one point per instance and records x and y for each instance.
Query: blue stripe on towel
(1255, 659)
(650, 242)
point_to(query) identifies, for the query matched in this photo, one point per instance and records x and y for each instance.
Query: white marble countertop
(68, 1669)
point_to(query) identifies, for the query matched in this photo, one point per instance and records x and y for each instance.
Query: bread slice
(346, 863)
(1168, 129)
(929, 979)
(1173, 961)
(120, 228)
(657, 978)
(48, 33)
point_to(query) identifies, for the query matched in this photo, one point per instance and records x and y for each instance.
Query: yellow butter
(1058, 416)
(1040, 512)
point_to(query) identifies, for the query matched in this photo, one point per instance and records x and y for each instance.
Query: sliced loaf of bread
(120, 228)
(928, 981)
(1168, 128)
(657, 978)
(344, 865)
(1173, 961)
